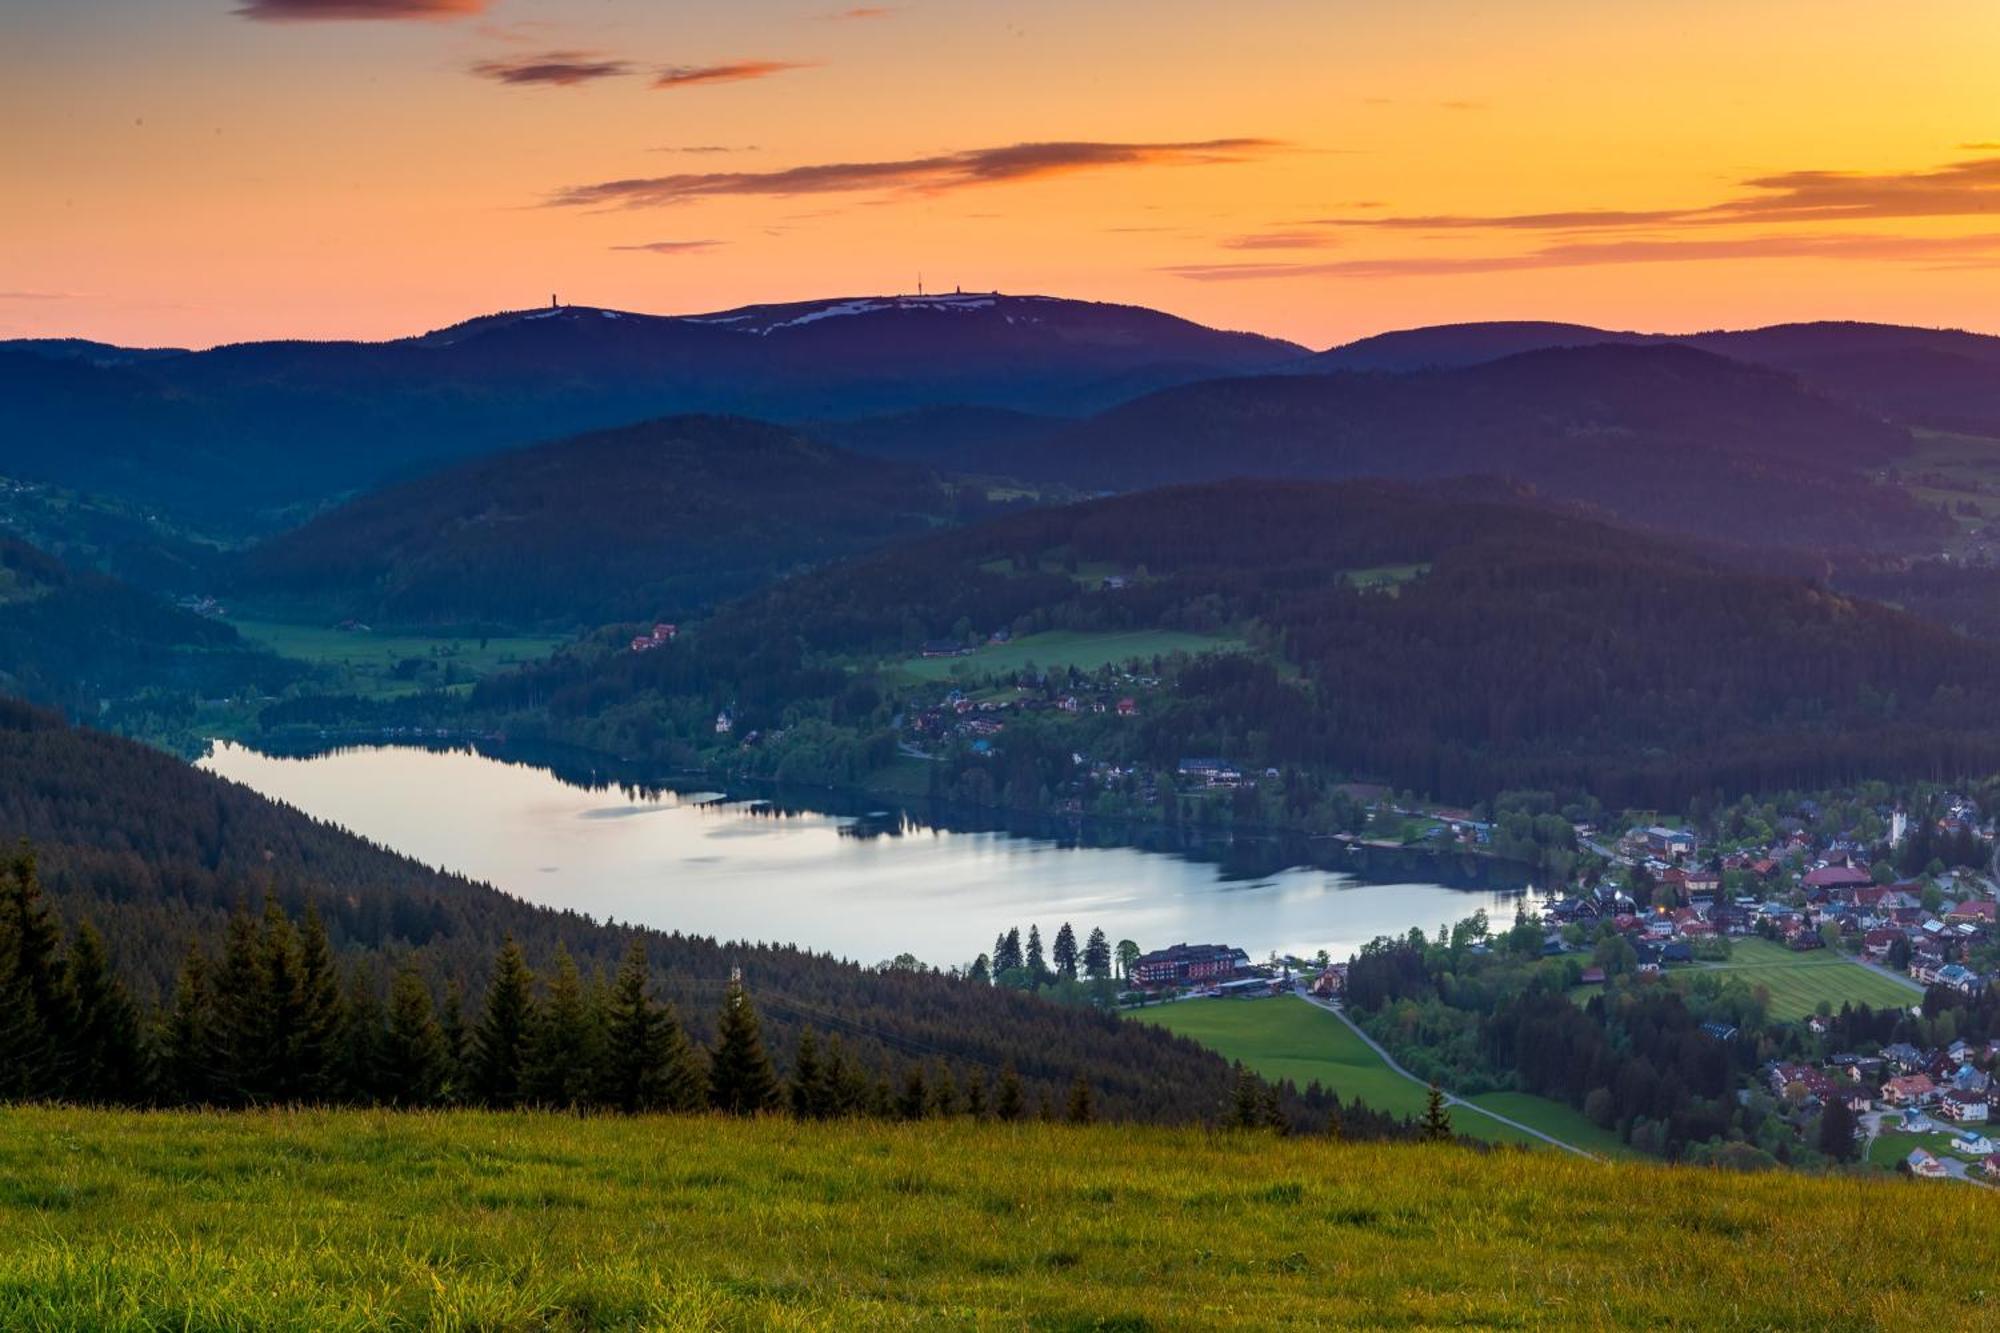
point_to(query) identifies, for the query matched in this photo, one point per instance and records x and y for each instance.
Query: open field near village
(1288, 1038)
(385, 665)
(1068, 648)
(365, 1220)
(1798, 982)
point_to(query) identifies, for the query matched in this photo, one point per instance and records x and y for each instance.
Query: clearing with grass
(357, 1219)
(1800, 981)
(373, 664)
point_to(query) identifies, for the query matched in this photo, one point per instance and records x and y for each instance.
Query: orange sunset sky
(198, 171)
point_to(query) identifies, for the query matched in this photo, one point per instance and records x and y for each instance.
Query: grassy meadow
(375, 664)
(1288, 1038)
(376, 1220)
(1086, 651)
(1798, 982)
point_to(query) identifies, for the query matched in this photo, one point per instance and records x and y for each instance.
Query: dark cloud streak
(555, 68)
(735, 71)
(302, 11)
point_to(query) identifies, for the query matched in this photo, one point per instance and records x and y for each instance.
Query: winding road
(1451, 1099)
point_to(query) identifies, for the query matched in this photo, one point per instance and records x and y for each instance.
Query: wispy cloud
(558, 68)
(930, 175)
(1280, 240)
(1981, 251)
(34, 296)
(290, 11)
(735, 71)
(705, 149)
(669, 247)
(1960, 189)
(859, 12)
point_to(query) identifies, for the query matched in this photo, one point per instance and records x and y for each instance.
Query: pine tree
(848, 1089)
(977, 1101)
(1097, 956)
(1007, 952)
(809, 1095)
(740, 1078)
(283, 1005)
(320, 1019)
(1336, 1129)
(34, 984)
(1248, 1105)
(1037, 964)
(1065, 952)
(1082, 1108)
(944, 1094)
(244, 1068)
(413, 1049)
(1836, 1130)
(565, 1041)
(648, 1063)
(981, 971)
(359, 1064)
(457, 1040)
(1436, 1124)
(500, 1046)
(107, 1060)
(187, 1037)
(1011, 1101)
(913, 1102)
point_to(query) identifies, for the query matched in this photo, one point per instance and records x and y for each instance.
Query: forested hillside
(1516, 646)
(647, 522)
(1662, 437)
(158, 856)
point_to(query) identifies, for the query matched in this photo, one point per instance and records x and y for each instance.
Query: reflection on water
(853, 878)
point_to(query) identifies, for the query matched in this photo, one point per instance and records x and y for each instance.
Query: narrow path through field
(1451, 1099)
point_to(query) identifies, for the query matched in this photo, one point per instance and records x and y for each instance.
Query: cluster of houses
(960, 716)
(1220, 968)
(660, 636)
(1949, 1092)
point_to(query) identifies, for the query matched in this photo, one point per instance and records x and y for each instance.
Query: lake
(859, 881)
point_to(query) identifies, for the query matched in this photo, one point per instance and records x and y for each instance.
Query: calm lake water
(865, 883)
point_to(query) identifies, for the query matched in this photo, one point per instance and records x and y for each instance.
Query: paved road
(1450, 1099)
(1902, 978)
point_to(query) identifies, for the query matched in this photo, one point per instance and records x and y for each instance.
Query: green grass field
(374, 1220)
(364, 662)
(1288, 1038)
(1799, 981)
(1067, 648)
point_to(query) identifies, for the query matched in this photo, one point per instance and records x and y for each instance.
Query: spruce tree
(913, 1102)
(740, 1078)
(187, 1037)
(1436, 1124)
(457, 1040)
(500, 1046)
(107, 1059)
(413, 1050)
(1007, 952)
(1082, 1108)
(1097, 956)
(283, 1004)
(944, 1094)
(1037, 964)
(1010, 1103)
(1836, 1129)
(1065, 953)
(977, 1101)
(648, 1063)
(359, 1069)
(244, 1068)
(564, 1042)
(32, 973)
(1248, 1109)
(317, 1039)
(809, 1095)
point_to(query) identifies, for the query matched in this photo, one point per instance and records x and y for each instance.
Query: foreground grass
(1798, 982)
(352, 1220)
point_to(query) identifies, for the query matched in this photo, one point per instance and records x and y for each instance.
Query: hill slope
(1665, 437)
(654, 520)
(365, 1220)
(1526, 648)
(158, 854)
(276, 424)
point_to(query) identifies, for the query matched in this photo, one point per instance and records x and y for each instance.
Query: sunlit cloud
(860, 12)
(928, 175)
(1969, 252)
(669, 247)
(1961, 189)
(288, 11)
(1280, 240)
(557, 68)
(735, 71)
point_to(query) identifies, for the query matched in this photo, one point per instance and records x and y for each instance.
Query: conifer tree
(363, 1035)
(283, 1005)
(740, 1078)
(107, 1060)
(913, 1102)
(1097, 956)
(944, 1094)
(1037, 964)
(32, 973)
(187, 1037)
(244, 1072)
(1249, 1108)
(1010, 1103)
(981, 971)
(1082, 1108)
(319, 1024)
(413, 1050)
(501, 1044)
(1007, 951)
(564, 1042)
(1065, 952)
(648, 1064)
(977, 1102)
(847, 1084)
(457, 1039)
(809, 1094)
(1436, 1124)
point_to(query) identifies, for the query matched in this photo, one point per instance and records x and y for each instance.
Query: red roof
(1835, 877)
